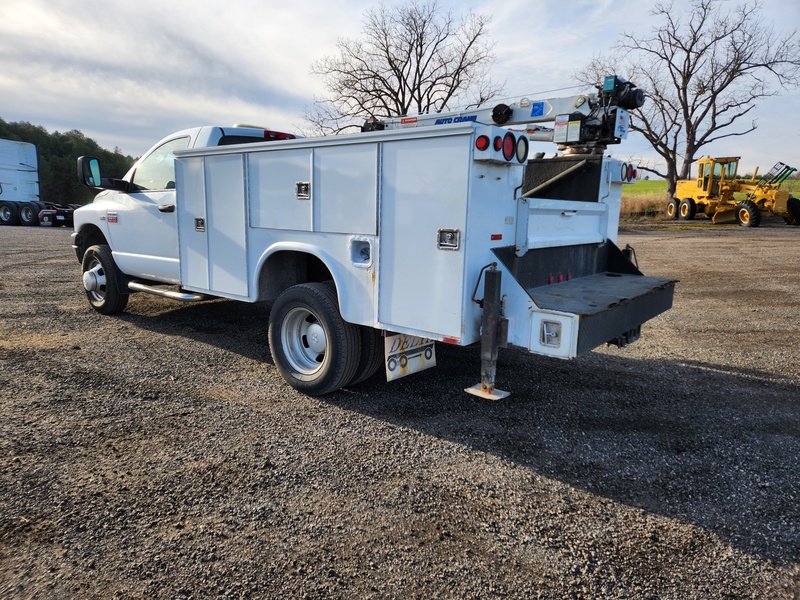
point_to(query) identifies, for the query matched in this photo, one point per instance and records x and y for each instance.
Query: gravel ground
(158, 454)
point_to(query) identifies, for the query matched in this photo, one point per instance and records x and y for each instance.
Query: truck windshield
(726, 170)
(730, 170)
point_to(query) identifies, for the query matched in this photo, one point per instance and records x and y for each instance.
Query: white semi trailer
(374, 246)
(19, 183)
(20, 203)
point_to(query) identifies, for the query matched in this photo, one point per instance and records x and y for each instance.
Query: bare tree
(703, 71)
(412, 58)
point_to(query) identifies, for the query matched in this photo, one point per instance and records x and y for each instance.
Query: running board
(138, 286)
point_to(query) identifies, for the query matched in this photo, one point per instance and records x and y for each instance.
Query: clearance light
(501, 146)
(628, 172)
(509, 146)
(482, 143)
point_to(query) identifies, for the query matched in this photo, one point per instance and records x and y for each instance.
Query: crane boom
(583, 124)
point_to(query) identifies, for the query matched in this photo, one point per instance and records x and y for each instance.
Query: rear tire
(315, 350)
(9, 213)
(100, 280)
(687, 209)
(29, 214)
(672, 208)
(748, 214)
(793, 208)
(371, 354)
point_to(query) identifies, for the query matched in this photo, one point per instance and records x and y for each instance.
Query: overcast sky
(128, 73)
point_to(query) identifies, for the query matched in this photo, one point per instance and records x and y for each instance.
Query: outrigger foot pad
(486, 393)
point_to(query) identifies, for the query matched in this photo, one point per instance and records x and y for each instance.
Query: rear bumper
(610, 307)
(584, 296)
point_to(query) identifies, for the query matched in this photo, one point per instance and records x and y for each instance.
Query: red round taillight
(482, 142)
(509, 146)
(630, 173)
(498, 143)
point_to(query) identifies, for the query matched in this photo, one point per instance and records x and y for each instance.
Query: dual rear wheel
(685, 209)
(23, 213)
(315, 350)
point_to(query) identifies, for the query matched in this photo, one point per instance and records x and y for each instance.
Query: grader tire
(793, 208)
(687, 209)
(672, 208)
(748, 214)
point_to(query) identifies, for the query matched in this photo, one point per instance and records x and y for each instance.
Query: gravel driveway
(158, 454)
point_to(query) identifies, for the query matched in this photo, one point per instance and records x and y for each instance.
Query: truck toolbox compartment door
(211, 224)
(609, 295)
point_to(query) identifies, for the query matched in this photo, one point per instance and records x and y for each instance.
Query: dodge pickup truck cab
(143, 203)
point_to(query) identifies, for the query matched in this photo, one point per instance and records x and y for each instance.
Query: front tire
(315, 350)
(100, 279)
(748, 214)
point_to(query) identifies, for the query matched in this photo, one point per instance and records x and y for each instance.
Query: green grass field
(644, 198)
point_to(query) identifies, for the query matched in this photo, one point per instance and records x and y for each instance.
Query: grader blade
(727, 215)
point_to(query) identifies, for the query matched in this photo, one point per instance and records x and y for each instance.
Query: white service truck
(374, 246)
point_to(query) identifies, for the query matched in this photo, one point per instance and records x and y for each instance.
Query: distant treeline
(58, 156)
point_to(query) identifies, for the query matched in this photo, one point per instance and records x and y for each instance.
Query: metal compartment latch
(550, 334)
(302, 190)
(448, 239)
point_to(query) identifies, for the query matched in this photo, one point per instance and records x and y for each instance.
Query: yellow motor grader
(712, 194)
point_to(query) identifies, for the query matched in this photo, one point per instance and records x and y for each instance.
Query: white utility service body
(378, 207)
(436, 232)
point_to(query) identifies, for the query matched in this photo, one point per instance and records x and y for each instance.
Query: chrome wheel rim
(94, 281)
(304, 341)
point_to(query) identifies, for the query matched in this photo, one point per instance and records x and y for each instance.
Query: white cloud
(126, 73)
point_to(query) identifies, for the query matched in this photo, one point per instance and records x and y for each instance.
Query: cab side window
(157, 171)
